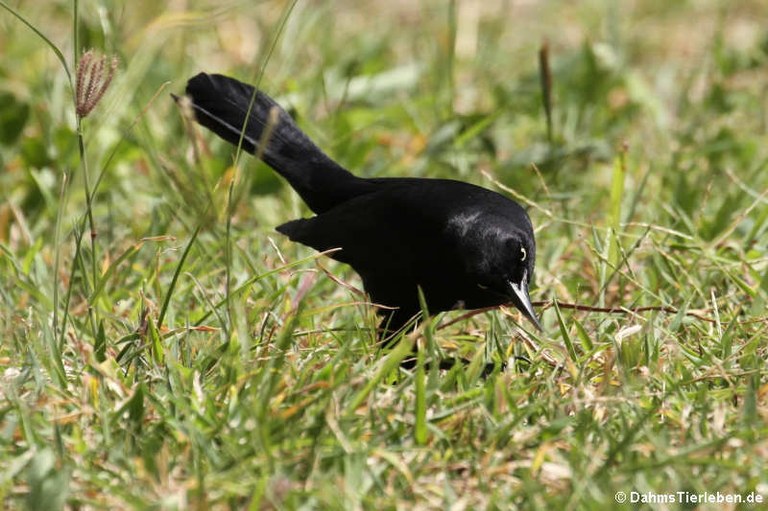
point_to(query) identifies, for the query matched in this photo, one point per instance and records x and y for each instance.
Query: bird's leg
(395, 322)
(446, 364)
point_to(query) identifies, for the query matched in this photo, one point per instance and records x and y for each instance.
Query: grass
(188, 357)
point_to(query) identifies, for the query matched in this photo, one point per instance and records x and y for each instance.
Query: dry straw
(94, 74)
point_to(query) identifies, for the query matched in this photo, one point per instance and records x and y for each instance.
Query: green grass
(189, 357)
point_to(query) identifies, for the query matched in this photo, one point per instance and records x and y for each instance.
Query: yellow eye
(525, 254)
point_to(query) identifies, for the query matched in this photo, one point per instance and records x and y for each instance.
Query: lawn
(162, 347)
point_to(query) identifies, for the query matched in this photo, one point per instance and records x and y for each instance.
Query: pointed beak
(523, 301)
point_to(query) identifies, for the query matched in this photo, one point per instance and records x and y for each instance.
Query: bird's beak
(523, 301)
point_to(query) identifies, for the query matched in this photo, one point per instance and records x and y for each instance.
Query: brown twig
(545, 77)
(546, 304)
(620, 310)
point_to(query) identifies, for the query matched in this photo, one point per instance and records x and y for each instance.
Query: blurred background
(406, 88)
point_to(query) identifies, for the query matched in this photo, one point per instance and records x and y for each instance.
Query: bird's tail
(221, 104)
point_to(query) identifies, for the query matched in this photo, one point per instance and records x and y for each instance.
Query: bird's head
(501, 257)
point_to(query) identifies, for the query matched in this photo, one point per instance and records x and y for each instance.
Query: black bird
(465, 246)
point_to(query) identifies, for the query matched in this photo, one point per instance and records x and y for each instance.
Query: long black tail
(221, 104)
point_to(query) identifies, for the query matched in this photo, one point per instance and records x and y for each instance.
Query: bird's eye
(525, 254)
